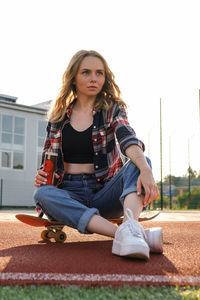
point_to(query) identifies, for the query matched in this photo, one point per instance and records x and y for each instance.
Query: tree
(190, 202)
(192, 173)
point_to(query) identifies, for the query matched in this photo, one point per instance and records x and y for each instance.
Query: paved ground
(165, 215)
(87, 259)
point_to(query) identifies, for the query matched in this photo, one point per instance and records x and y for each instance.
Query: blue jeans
(80, 196)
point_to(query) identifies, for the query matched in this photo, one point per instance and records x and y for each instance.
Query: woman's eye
(85, 72)
(99, 73)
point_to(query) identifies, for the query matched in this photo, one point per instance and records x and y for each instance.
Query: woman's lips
(92, 87)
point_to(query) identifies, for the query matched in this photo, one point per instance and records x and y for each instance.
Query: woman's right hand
(40, 178)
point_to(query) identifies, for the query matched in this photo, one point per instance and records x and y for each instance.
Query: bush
(191, 201)
(157, 203)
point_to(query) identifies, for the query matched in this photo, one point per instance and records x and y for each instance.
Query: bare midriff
(78, 168)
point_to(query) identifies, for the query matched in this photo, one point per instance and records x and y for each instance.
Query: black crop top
(77, 146)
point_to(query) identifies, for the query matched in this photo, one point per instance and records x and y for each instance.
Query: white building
(22, 134)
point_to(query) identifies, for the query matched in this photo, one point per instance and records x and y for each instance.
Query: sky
(152, 47)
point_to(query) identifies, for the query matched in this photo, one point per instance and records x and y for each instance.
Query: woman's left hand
(147, 181)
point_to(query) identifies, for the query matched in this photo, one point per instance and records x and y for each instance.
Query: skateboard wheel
(44, 235)
(60, 237)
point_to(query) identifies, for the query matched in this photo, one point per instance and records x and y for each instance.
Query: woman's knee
(149, 162)
(131, 166)
(41, 193)
(132, 171)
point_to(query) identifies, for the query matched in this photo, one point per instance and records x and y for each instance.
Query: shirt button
(95, 140)
(96, 153)
(96, 167)
(94, 126)
(98, 179)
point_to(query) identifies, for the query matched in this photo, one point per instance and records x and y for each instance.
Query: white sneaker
(130, 239)
(154, 238)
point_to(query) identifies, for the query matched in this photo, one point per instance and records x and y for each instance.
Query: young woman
(85, 121)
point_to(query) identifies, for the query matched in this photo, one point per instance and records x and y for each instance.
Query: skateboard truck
(55, 232)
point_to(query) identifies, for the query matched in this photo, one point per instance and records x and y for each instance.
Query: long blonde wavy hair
(109, 94)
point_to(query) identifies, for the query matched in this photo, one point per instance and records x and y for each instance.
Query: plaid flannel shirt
(108, 126)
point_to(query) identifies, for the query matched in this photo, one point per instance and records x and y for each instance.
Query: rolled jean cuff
(129, 190)
(85, 218)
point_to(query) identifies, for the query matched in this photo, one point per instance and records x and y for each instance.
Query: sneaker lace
(134, 226)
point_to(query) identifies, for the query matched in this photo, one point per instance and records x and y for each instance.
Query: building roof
(8, 98)
(44, 105)
(9, 102)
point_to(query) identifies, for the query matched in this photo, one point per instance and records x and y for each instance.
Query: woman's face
(90, 77)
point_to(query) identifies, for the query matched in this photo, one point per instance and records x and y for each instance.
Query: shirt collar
(70, 107)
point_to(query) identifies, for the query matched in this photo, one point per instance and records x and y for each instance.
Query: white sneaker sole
(135, 251)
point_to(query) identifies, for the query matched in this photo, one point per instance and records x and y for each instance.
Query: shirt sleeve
(125, 134)
(46, 148)
(47, 144)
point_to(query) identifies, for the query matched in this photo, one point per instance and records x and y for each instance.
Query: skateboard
(54, 229)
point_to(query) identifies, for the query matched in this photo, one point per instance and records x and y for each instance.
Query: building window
(18, 160)
(6, 159)
(41, 137)
(12, 131)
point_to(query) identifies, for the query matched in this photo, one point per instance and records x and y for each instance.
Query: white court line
(68, 277)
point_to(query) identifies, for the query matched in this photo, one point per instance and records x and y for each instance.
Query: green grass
(77, 293)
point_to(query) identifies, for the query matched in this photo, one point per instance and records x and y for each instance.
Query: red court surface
(87, 259)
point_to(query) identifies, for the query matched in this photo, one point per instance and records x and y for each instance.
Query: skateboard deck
(54, 229)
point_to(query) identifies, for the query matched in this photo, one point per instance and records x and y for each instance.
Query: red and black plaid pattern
(111, 133)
